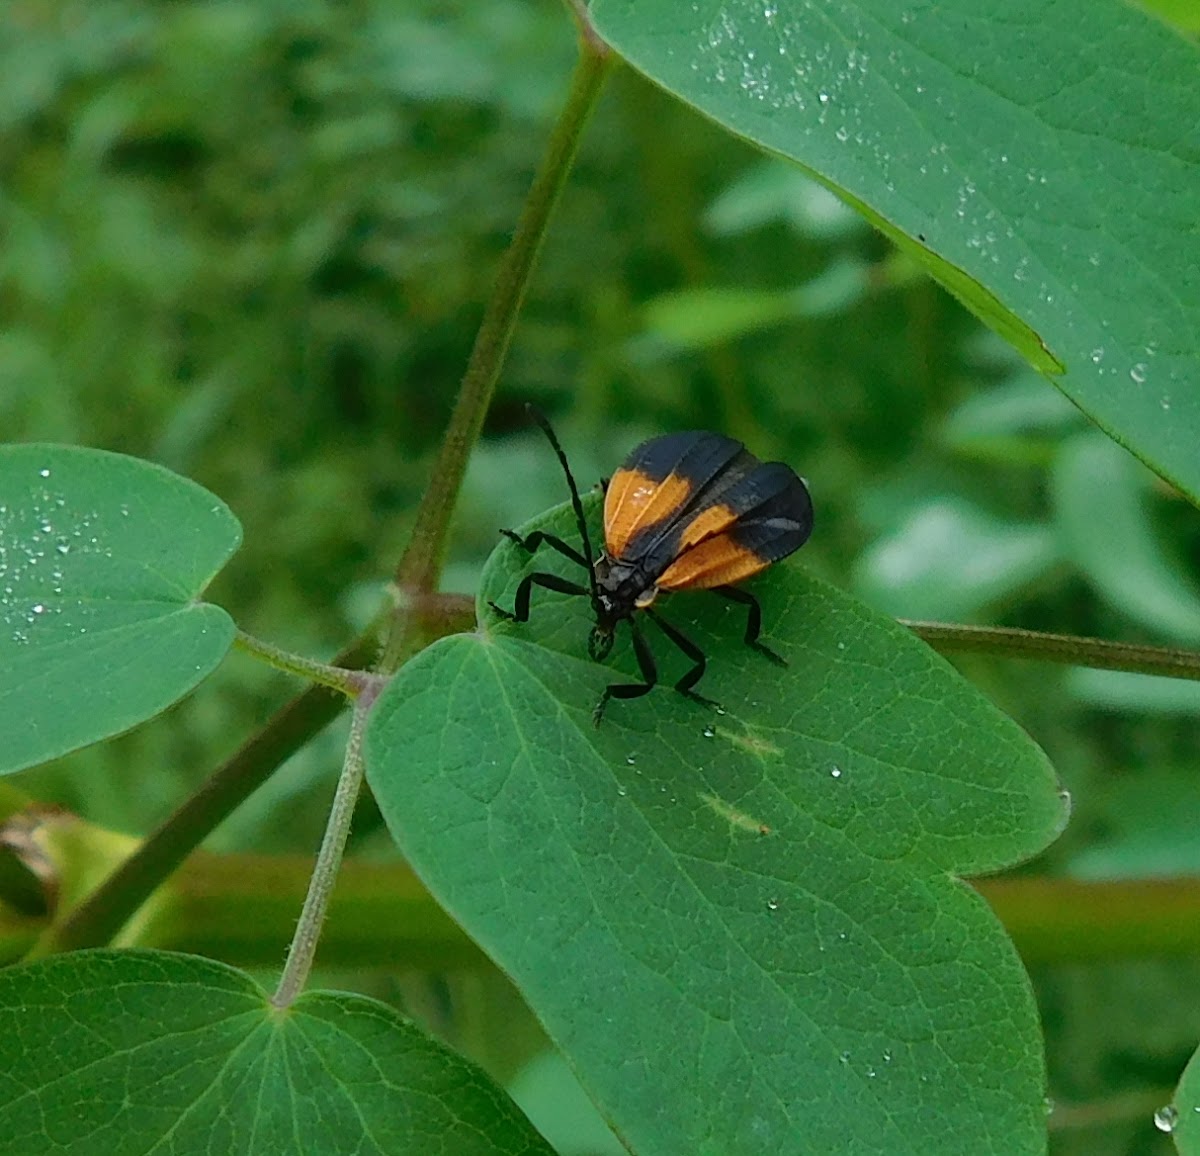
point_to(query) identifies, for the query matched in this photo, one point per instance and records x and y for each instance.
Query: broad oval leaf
(744, 928)
(102, 558)
(142, 1051)
(1041, 161)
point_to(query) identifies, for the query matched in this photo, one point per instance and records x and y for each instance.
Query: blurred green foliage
(252, 242)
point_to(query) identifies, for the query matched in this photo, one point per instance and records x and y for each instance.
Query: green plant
(745, 931)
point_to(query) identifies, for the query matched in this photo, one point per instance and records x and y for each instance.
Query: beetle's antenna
(576, 504)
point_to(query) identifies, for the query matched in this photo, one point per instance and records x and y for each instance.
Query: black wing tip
(692, 454)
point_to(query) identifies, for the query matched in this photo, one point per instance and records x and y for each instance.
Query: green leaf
(1039, 160)
(1122, 690)
(1182, 1116)
(742, 928)
(549, 1094)
(699, 318)
(1146, 824)
(130, 1052)
(101, 559)
(1104, 518)
(949, 560)
(773, 191)
(1018, 421)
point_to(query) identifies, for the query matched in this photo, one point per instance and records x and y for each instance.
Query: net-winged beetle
(685, 511)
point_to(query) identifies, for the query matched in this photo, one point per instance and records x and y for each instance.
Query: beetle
(684, 511)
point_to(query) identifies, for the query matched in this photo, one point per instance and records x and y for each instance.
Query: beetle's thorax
(622, 587)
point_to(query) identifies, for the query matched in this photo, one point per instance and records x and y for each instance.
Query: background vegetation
(253, 242)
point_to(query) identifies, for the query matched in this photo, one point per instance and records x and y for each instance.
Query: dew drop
(772, 904)
(844, 1057)
(630, 759)
(1138, 372)
(44, 473)
(836, 772)
(38, 608)
(1166, 1118)
(1097, 356)
(708, 732)
(622, 792)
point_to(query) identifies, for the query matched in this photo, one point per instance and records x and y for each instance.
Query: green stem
(320, 887)
(1055, 920)
(587, 31)
(1120, 1108)
(242, 908)
(1067, 648)
(348, 682)
(418, 571)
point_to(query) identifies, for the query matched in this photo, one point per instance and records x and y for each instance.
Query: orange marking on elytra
(706, 524)
(718, 562)
(634, 501)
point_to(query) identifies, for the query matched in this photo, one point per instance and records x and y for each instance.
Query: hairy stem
(303, 948)
(347, 682)
(1074, 650)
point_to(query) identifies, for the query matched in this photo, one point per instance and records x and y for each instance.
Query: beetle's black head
(609, 608)
(621, 588)
(600, 642)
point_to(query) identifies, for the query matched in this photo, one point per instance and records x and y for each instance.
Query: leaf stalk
(1071, 649)
(303, 948)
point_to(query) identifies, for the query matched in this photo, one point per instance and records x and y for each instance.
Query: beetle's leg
(753, 620)
(530, 543)
(520, 610)
(693, 676)
(646, 664)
